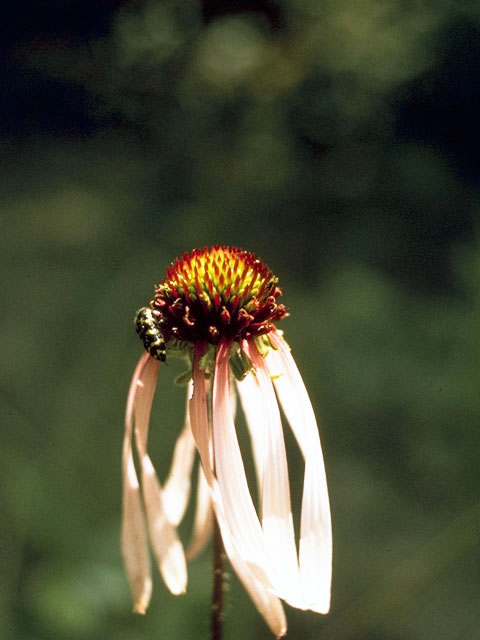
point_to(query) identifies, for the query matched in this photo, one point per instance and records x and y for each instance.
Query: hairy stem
(217, 591)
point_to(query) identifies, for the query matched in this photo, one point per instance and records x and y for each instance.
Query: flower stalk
(218, 556)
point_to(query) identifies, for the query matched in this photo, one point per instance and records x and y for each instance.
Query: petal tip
(139, 609)
(141, 605)
(177, 590)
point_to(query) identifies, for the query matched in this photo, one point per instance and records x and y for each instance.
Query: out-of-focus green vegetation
(339, 141)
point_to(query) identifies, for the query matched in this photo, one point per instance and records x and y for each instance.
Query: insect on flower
(151, 334)
(218, 307)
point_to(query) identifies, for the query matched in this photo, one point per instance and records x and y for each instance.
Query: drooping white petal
(176, 490)
(199, 419)
(277, 520)
(163, 537)
(233, 397)
(315, 527)
(165, 543)
(134, 546)
(134, 539)
(252, 405)
(239, 510)
(146, 384)
(267, 604)
(316, 537)
(203, 522)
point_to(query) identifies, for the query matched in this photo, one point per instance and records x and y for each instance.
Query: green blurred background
(339, 140)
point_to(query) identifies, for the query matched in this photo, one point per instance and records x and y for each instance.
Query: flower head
(218, 307)
(217, 294)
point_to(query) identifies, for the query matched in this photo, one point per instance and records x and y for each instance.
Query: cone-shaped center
(217, 293)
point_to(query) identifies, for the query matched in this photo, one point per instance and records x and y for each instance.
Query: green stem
(218, 576)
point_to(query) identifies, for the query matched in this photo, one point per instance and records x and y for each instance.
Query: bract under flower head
(217, 293)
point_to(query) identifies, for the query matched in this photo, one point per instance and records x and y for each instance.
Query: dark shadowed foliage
(338, 140)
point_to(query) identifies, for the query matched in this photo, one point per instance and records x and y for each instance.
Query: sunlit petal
(135, 549)
(240, 513)
(315, 530)
(199, 418)
(277, 520)
(203, 522)
(201, 432)
(166, 545)
(145, 393)
(252, 405)
(134, 539)
(267, 604)
(176, 490)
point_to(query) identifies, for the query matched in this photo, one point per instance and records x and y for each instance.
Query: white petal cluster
(261, 548)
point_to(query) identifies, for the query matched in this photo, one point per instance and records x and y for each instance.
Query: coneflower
(218, 307)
